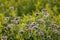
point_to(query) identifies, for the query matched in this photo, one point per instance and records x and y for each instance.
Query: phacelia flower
(40, 21)
(35, 27)
(45, 13)
(14, 21)
(21, 31)
(17, 18)
(53, 24)
(4, 38)
(29, 30)
(41, 33)
(33, 24)
(8, 18)
(9, 26)
(48, 37)
(56, 32)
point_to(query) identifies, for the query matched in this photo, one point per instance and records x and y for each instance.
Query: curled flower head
(4, 38)
(56, 32)
(40, 21)
(8, 18)
(33, 24)
(35, 27)
(41, 33)
(45, 13)
(21, 31)
(9, 26)
(17, 18)
(15, 21)
(29, 30)
(11, 8)
(53, 24)
(48, 37)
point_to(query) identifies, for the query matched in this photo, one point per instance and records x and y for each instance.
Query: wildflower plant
(29, 20)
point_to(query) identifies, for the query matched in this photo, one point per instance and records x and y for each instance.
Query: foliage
(29, 19)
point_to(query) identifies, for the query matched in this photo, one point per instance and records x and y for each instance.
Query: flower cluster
(29, 20)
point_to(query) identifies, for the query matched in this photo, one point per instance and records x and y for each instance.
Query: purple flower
(33, 24)
(40, 21)
(48, 37)
(4, 38)
(9, 26)
(21, 31)
(8, 18)
(56, 32)
(35, 27)
(45, 13)
(17, 18)
(29, 30)
(53, 24)
(41, 33)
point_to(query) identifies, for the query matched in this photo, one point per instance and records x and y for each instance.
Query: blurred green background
(27, 6)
